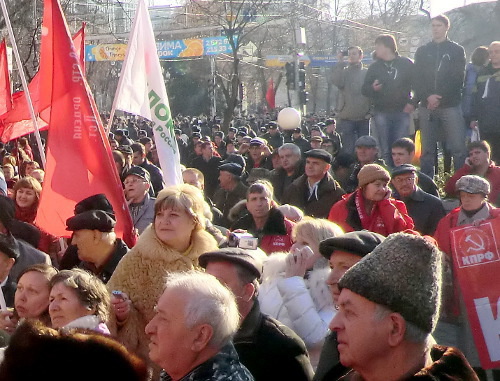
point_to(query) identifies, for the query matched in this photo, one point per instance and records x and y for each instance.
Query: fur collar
(150, 246)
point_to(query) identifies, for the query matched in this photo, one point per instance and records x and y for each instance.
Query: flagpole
(24, 82)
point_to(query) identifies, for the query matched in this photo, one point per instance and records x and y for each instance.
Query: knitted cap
(403, 273)
(372, 172)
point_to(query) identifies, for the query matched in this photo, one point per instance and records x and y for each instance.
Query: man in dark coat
(273, 136)
(139, 158)
(316, 190)
(269, 349)
(291, 168)
(208, 164)
(231, 190)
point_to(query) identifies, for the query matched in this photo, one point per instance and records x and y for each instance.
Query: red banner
(5, 93)
(79, 160)
(476, 258)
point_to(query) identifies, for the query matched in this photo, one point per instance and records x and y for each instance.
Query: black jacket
(440, 69)
(329, 367)
(486, 105)
(105, 273)
(281, 181)
(156, 176)
(270, 350)
(210, 170)
(396, 78)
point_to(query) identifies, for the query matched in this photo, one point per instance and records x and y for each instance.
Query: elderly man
(269, 349)
(366, 150)
(388, 308)
(342, 253)
(264, 220)
(139, 159)
(478, 163)
(291, 168)
(141, 206)
(316, 190)
(231, 190)
(98, 247)
(426, 210)
(191, 331)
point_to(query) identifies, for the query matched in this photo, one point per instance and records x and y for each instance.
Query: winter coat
(492, 175)
(210, 170)
(393, 216)
(486, 101)
(145, 215)
(448, 364)
(440, 69)
(396, 78)
(141, 273)
(225, 200)
(280, 179)
(328, 193)
(276, 235)
(271, 350)
(304, 305)
(352, 104)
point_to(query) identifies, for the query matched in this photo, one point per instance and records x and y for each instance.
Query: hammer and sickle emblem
(477, 246)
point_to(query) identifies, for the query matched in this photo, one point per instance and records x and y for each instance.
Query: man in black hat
(231, 190)
(299, 140)
(140, 204)
(231, 134)
(98, 247)
(269, 349)
(220, 143)
(316, 190)
(139, 159)
(122, 138)
(342, 252)
(208, 164)
(273, 136)
(426, 210)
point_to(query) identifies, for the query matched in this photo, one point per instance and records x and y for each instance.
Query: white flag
(439, 7)
(141, 91)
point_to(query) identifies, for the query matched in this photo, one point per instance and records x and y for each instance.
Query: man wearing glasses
(425, 209)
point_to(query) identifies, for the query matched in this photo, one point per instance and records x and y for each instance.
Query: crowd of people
(317, 253)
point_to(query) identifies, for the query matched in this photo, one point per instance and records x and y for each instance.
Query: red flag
(270, 96)
(5, 93)
(17, 122)
(79, 160)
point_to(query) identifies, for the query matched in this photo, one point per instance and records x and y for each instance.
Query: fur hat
(403, 273)
(33, 347)
(372, 172)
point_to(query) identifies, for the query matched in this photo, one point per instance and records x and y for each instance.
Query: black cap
(8, 246)
(403, 168)
(119, 132)
(242, 257)
(125, 149)
(359, 243)
(139, 172)
(233, 129)
(319, 153)
(233, 168)
(235, 158)
(272, 125)
(92, 220)
(297, 130)
(96, 202)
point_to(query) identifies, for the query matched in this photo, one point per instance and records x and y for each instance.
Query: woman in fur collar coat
(172, 243)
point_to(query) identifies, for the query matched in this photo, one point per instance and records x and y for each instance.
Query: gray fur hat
(403, 273)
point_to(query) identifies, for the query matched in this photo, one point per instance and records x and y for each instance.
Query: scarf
(372, 221)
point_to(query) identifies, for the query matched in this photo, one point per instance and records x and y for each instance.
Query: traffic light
(303, 97)
(302, 76)
(290, 75)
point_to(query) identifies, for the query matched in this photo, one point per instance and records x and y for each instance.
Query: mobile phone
(117, 293)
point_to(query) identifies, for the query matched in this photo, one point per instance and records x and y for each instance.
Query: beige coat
(141, 274)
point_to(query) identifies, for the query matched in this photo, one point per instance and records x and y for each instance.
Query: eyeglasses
(133, 181)
(402, 180)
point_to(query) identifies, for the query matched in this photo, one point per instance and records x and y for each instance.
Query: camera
(243, 241)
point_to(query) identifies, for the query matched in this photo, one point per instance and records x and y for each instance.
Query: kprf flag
(141, 91)
(79, 160)
(5, 93)
(17, 122)
(439, 7)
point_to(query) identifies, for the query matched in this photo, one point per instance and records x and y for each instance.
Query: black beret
(233, 168)
(96, 202)
(139, 172)
(360, 243)
(242, 257)
(92, 220)
(319, 153)
(403, 168)
(8, 246)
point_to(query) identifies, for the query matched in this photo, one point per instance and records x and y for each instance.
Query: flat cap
(403, 168)
(358, 243)
(8, 246)
(242, 257)
(139, 172)
(473, 184)
(235, 158)
(92, 220)
(366, 141)
(233, 168)
(95, 202)
(319, 153)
